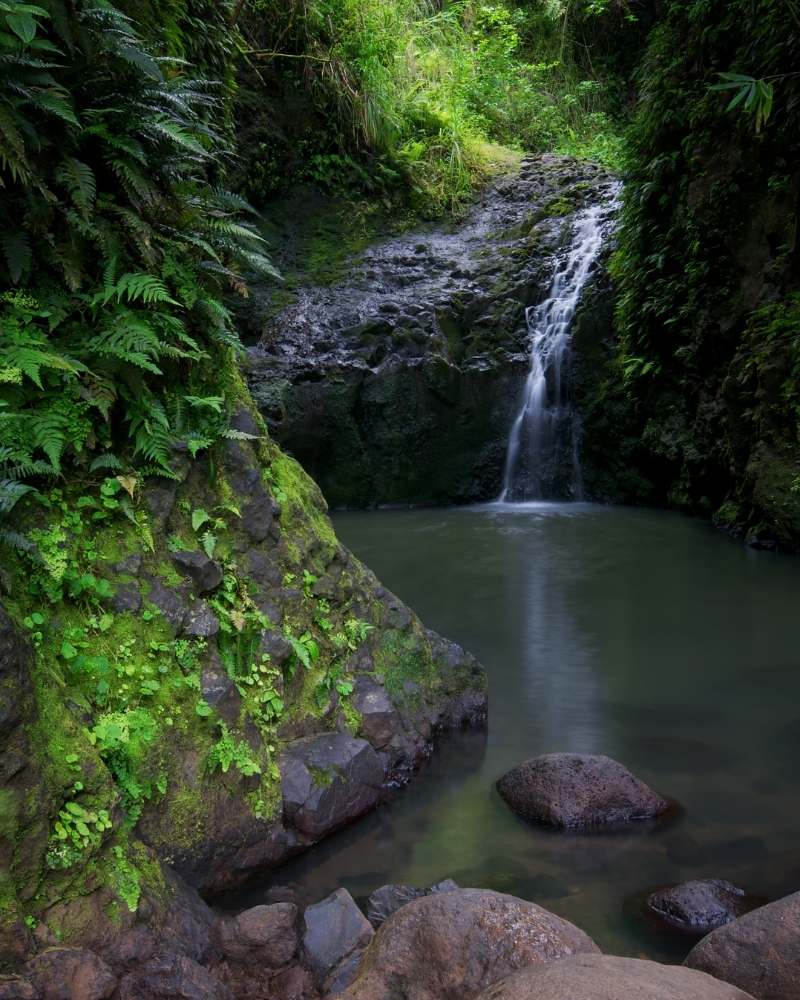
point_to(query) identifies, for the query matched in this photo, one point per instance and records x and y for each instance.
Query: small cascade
(543, 459)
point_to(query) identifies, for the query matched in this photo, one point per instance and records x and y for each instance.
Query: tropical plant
(117, 247)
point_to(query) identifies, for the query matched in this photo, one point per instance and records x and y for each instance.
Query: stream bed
(639, 634)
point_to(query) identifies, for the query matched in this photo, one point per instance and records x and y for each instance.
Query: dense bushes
(116, 246)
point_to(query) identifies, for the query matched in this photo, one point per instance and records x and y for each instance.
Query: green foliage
(708, 244)
(755, 96)
(414, 93)
(117, 247)
(76, 831)
(227, 753)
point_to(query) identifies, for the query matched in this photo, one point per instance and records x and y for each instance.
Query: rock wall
(399, 384)
(197, 681)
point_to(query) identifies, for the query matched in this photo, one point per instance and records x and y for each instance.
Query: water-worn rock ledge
(399, 383)
(156, 714)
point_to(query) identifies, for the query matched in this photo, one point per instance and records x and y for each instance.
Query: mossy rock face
(162, 648)
(399, 382)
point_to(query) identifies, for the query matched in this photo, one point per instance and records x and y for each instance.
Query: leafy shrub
(115, 248)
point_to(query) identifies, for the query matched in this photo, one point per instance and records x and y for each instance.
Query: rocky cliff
(196, 682)
(399, 382)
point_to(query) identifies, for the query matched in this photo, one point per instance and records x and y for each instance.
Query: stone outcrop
(451, 945)
(218, 788)
(389, 898)
(400, 382)
(579, 792)
(600, 977)
(759, 952)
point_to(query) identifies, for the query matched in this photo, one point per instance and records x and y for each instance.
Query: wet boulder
(334, 930)
(699, 906)
(69, 973)
(328, 781)
(452, 945)
(389, 898)
(759, 952)
(602, 977)
(265, 935)
(579, 792)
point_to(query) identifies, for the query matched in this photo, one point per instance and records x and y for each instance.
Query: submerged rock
(389, 898)
(759, 952)
(602, 977)
(699, 906)
(579, 792)
(451, 945)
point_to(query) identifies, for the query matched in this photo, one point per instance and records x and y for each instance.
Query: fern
(120, 350)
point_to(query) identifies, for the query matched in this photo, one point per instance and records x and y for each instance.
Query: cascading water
(543, 461)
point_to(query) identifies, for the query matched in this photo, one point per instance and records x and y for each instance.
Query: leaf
(68, 651)
(209, 544)
(128, 483)
(17, 250)
(203, 709)
(23, 26)
(199, 518)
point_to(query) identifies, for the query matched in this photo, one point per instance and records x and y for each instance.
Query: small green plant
(75, 831)
(227, 753)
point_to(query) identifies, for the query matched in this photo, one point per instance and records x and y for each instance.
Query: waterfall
(543, 460)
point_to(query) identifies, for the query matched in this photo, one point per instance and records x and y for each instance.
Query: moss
(322, 777)
(404, 662)
(557, 208)
(304, 512)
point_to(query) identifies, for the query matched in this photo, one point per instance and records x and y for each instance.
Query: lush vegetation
(424, 95)
(117, 244)
(707, 268)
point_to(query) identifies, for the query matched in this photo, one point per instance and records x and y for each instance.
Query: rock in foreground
(579, 791)
(759, 953)
(601, 977)
(450, 946)
(389, 898)
(699, 906)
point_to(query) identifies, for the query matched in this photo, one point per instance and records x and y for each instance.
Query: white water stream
(544, 437)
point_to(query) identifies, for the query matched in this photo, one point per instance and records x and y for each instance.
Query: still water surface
(639, 634)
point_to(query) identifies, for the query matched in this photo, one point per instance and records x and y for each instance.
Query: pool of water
(639, 634)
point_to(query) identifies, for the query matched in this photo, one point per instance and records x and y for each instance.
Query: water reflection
(634, 633)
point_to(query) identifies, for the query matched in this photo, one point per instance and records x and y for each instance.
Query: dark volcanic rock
(379, 718)
(205, 573)
(601, 977)
(451, 945)
(579, 791)
(328, 781)
(71, 973)
(759, 952)
(699, 906)
(173, 979)
(389, 898)
(263, 935)
(200, 622)
(332, 931)
(399, 383)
